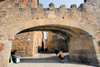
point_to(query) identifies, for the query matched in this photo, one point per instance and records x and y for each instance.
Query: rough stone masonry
(81, 26)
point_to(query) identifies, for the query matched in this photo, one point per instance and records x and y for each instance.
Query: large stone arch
(45, 22)
(82, 53)
(81, 19)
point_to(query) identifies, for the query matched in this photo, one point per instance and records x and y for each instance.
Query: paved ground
(47, 60)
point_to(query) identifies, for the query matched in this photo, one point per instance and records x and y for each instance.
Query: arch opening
(78, 42)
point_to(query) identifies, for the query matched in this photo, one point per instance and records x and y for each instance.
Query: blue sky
(45, 34)
(60, 2)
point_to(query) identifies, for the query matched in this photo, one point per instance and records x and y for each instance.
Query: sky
(57, 4)
(45, 34)
(60, 2)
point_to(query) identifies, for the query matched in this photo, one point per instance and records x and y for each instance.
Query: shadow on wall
(63, 44)
(99, 43)
(2, 0)
(59, 44)
(41, 48)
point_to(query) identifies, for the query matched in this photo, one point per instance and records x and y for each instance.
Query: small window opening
(54, 38)
(29, 0)
(63, 17)
(20, 0)
(37, 18)
(11, 0)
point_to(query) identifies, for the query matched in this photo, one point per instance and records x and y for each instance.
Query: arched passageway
(80, 39)
(79, 26)
(80, 43)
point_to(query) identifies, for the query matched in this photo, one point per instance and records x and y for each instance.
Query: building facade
(23, 3)
(27, 44)
(55, 41)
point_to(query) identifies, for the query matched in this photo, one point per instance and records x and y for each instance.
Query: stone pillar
(5, 53)
(74, 6)
(95, 60)
(51, 6)
(84, 49)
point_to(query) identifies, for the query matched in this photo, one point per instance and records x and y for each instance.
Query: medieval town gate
(79, 25)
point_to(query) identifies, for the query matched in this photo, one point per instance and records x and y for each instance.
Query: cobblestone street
(47, 60)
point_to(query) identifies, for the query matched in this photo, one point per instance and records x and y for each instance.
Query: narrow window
(63, 17)
(29, 0)
(20, 0)
(55, 38)
(11, 0)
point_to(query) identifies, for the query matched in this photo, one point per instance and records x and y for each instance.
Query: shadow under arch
(67, 24)
(58, 29)
(80, 42)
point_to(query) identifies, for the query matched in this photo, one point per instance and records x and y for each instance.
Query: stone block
(1, 59)
(51, 14)
(1, 64)
(74, 57)
(87, 1)
(63, 6)
(40, 6)
(51, 6)
(74, 6)
(2, 53)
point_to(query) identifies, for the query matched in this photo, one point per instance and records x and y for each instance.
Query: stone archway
(77, 34)
(81, 38)
(80, 33)
(46, 22)
(80, 23)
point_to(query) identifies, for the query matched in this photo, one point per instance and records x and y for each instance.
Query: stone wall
(84, 20)
(37, 42)
(27, 43)
(84, 15)
(82, 52)
(22, 45)
(60, 43)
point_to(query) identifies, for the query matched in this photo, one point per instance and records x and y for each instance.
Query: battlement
(34, 3)
(40, 12)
